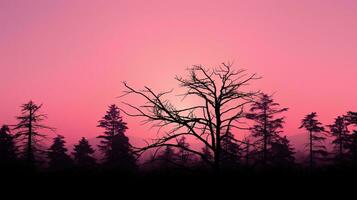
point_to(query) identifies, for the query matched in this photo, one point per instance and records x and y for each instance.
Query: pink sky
(73, 55)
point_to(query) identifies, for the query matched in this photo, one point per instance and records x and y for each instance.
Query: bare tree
(223, 99)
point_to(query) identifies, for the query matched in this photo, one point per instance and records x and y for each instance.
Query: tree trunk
(29, 153)
(311, 151)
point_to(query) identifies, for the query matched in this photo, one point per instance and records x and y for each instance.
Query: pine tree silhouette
(28, 129)
(184, 157)
(206, 158)
(231, 152)
(317, 149)
(339, 129)
(8, 150)
(167, 159)
(115, 145)
(267, 128)
(83, 154)
(58, 159)
(282, 153)
(353, 147)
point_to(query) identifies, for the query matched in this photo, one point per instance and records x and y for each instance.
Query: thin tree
(28, 131)
(114, 143)
(58, 159)
(267, 126)
(8, 150)
(83, 154)
(339, 129)
(317, 149)
(221, 97)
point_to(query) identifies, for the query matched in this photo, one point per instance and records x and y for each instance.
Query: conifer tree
(83, 154)
(28, 132)
(267, 126)
(8, 150)
(231, 152)
(339, 129)
(114, 144)
(184, 157)
(282, 153)
(317, 149)
(58, 159)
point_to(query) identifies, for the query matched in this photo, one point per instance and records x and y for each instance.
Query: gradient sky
(73, 55)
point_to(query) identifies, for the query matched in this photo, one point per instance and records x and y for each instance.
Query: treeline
(226, 107)
(21, 145)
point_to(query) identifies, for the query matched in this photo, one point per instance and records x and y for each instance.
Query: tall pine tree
(114, 144)
(28, 127)
(339, 129)
(267, 126)
(317, 149)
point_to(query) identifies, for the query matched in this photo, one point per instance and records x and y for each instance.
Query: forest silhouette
(226, 108)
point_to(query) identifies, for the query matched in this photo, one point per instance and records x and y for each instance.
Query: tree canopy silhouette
(83, 154)
(28, 131)
(267, 126)
(114, 144)
(223, 98)
(339, 129)
(317, 149)
(58, 159)
(8, 150)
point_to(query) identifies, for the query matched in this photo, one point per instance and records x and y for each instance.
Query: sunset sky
(73, 55)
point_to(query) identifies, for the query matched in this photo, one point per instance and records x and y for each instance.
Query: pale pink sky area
(73, 55)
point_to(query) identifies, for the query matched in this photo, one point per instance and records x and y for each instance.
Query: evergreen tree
(114, 144)
(267, 127)
(353, 147)
(58, 159)
(167, 159)
(28, 127)
(282, 153)
(8, 150)
(206, 158)
(83, 154)
(184, 157)
(317, 149)
(231, 152)
(342, 141)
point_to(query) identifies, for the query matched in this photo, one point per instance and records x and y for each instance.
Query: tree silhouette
(167, 159)
(114, 144)
(352, 117)
(353, 147)
(223, 99)
(317, 149)
(8, 150)
(184, 157)
(339, 129)
(267, 127)
(58, 159)
(28, 127)
(282, 152)
(206, 155)
(231, 152)
(83, 154)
